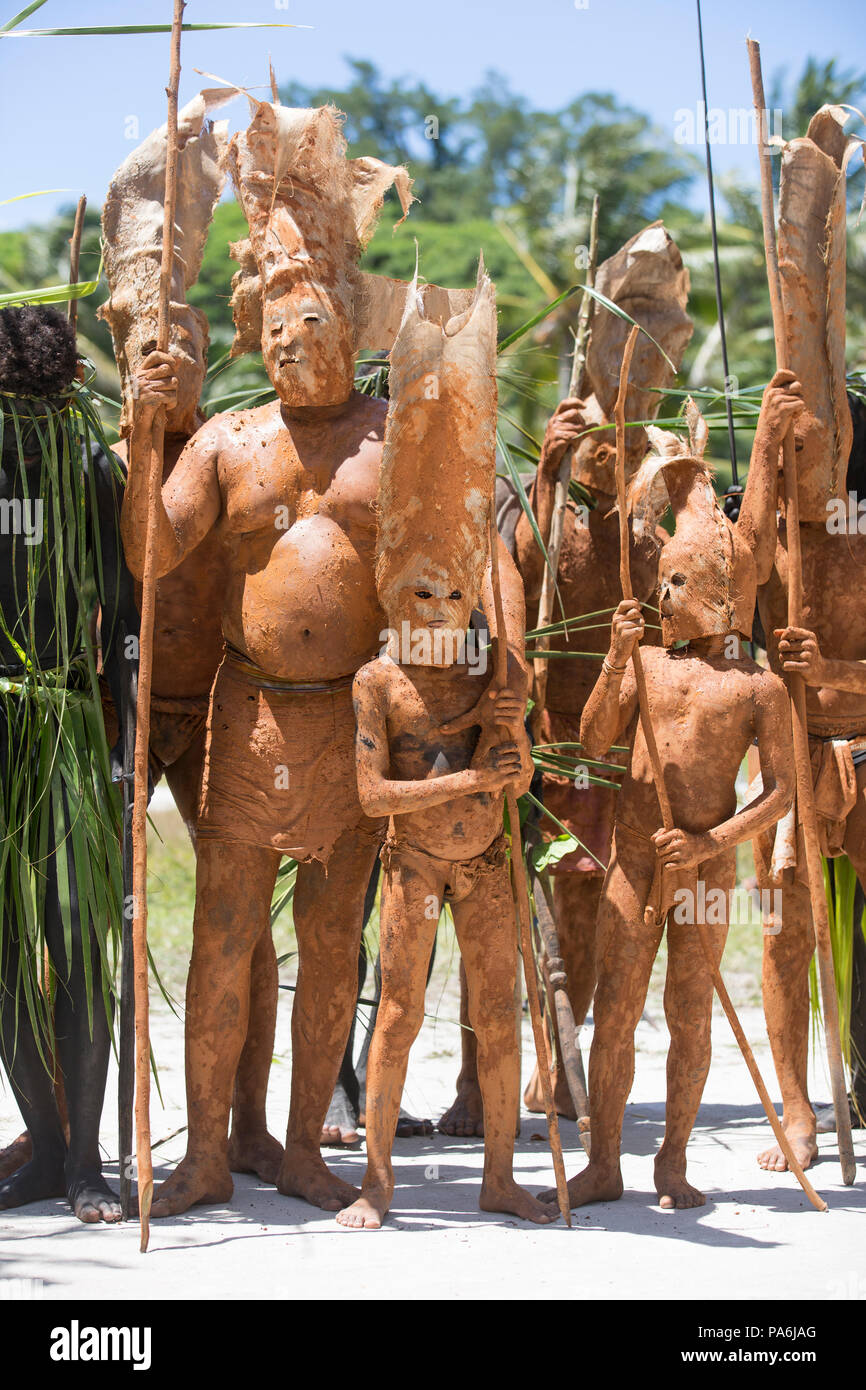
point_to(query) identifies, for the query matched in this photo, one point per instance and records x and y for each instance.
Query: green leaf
(22, 14)
(49, 294)
(537, 318)
(92, 31)
(551, 851)
(19, 197)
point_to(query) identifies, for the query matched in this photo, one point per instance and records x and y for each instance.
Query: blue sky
(66, 102)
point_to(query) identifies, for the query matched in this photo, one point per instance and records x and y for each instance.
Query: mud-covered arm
(613, 699)
(680, 849)
(781, 404)
(189, 503)
(382, 795)
(800, 652)
(563, 429)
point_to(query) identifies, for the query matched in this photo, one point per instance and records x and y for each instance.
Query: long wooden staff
(560, 492)
(521, 903)
(664, 800)
(796, 684)
(74, 257)
(145, 666)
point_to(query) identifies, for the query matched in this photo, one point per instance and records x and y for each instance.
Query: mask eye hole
(423, 593)
(310, 318)
(456, 594)
(678, 579)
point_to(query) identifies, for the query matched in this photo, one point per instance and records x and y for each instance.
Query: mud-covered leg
(466, 1116)
(689, 1014)
(484, 921)
(234, 885)
(627, 948)
(785, 984)
(406, 939)
(251, 1148)
(328, 915)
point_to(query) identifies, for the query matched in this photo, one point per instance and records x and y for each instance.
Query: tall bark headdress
(811, 251)
(707, 576)
(438, 468)
(647, 279)
(132, 220)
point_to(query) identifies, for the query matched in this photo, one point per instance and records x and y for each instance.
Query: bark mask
(132, 240)
(648, 280)
(438, 472)
(707, 577)
(812, 250)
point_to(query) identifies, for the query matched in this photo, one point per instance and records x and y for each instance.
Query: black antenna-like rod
(732, 443)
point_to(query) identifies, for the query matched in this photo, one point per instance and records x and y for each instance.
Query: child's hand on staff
(626, 630)
(800, 653)
(677, 849)
(497, 766)
(564, 427)
(781, 404)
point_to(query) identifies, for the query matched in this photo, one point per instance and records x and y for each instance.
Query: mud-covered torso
(418, 700)
(298, 532)
(834, 608)
(703, 715)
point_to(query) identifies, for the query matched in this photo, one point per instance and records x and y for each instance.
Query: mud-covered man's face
(307, 346)
(692, 592)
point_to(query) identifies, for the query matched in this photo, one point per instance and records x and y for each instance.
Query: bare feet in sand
(801, 1137)
(368, 1213)
(260, 1153)
(514, 1200)
(594, 1184)
(674, 1193)
(192, 1183)
(305, 1175)
(466, 1116)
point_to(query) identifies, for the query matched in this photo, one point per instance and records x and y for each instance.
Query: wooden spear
(796, 685)
(74, 257)
(145, 667)
(664, 800)
(560, 493)
(521, 902)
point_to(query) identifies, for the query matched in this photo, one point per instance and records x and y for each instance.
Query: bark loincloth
(835, 753)
(461, 875)
(279, 767)
(175, 723)
(666, 883)
(588, 812)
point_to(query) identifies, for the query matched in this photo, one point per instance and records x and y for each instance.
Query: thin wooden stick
(145, 668)
(560, 494)
(664, 799)
(796, 685)
(74, 258)
(521, 903)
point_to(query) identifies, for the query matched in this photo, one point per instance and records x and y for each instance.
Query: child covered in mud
(419, 759)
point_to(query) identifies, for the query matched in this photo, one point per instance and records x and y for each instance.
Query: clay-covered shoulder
(766, 685)
(372, 679)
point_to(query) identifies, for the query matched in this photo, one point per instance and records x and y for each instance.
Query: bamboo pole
(74, 258)
(796, 684)
(521, 902)
(664, 800)
(560, 493)
(145, 668)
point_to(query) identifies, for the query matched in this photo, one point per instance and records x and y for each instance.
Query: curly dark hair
(856, 477)
(37, 351)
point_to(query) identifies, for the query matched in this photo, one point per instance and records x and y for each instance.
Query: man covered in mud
(289, 489)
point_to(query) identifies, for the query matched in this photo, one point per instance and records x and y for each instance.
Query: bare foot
(260, 1153)
(193, 1183)
(91, 1199)
(410, 1128)
(516, 1201)
(367, 1214)
(674, 1193)
(533, 1098)
(341, 1124)
(15, 1155)
(466, 1116)
(304, 1175)
(801, 1137)
(594, 1184)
